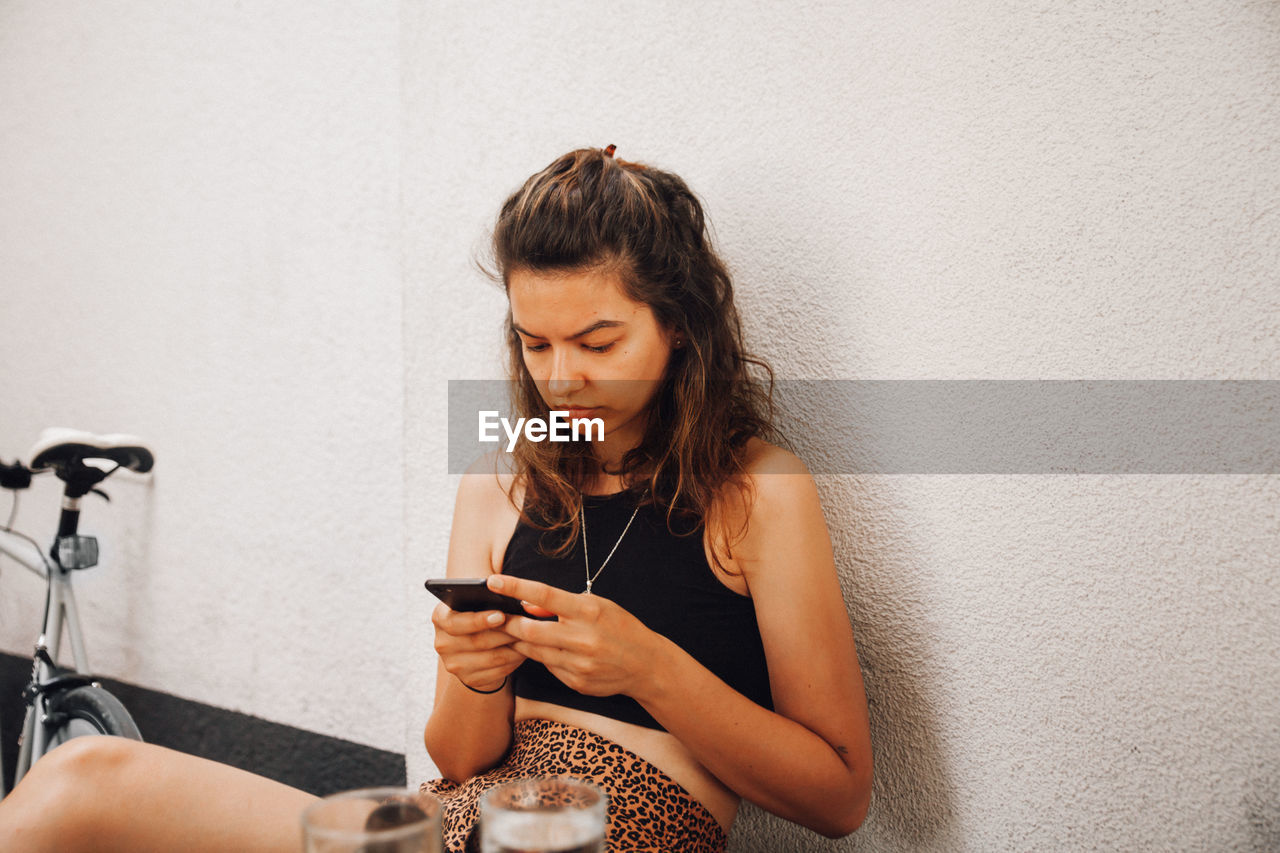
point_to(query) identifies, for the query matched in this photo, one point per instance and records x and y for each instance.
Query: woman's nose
(566, 377)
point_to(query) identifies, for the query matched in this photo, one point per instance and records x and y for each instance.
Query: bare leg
(112, 794)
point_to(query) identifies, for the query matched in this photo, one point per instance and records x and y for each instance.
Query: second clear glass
(547, 815)
(374, 820)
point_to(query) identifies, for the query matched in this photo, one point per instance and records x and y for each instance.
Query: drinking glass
(373, 820)
(548, 815)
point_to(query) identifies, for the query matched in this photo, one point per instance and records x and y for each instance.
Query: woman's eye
(541, 347)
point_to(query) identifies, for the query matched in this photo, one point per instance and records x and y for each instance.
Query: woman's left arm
(809, 760)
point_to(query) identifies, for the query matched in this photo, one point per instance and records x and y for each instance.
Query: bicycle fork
(44, 679)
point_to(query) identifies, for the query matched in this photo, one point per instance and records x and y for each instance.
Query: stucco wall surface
(199, 223)
(204, 242)
(946, 191)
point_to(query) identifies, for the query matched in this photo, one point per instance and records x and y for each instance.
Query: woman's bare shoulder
(748, 511)
(763, 458)
(490, 482)
(486, 513)
(781, 497)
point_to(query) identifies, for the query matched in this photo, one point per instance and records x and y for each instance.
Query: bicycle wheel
(89, 710)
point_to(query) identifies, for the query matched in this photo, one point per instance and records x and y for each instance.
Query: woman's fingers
(548, 655)
(459, 623)
(489, 659)
(472, 647)
(550, 598)
(489, 640)
(482, 665)
(458, 644)
(560, 635)
(535, 610)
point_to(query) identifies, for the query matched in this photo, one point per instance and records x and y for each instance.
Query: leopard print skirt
(648, 811)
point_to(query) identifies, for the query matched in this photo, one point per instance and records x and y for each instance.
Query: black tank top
(663, 580)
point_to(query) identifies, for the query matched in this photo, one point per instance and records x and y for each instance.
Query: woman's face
(589, 347)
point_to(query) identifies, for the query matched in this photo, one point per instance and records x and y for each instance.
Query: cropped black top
(663, 580)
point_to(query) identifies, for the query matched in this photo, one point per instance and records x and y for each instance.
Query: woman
(702, 652)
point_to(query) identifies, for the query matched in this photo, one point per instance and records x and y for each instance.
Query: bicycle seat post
(69, 522)
(70, 550)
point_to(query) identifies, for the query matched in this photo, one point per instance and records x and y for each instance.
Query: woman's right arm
(469, 732)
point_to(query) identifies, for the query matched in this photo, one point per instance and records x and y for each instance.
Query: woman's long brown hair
(590, 211)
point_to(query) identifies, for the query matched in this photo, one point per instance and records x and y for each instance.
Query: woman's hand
(473, 647)
(596, 648)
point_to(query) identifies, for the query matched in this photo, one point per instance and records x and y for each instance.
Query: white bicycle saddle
(59, 447)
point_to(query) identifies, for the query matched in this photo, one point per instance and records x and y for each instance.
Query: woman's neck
(610, 450)
(603, 484)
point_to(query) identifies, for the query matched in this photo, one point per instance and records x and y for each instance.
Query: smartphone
(473, 595)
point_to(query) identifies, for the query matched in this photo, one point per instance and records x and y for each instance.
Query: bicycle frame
(76, 457)
(61, 612)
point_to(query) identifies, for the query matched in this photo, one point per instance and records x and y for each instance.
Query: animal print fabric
(647, 812)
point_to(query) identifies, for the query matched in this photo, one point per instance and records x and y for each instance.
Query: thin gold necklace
(586, 561)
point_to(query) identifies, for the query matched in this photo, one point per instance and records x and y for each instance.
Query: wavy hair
(589, 211)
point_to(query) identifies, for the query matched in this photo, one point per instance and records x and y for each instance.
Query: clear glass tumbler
(373, 820)
(548, 815)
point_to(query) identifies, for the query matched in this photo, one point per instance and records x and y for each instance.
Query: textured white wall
(199, 235)
(954, 190)
(941, 190)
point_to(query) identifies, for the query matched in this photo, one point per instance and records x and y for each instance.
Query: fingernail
(495, 618)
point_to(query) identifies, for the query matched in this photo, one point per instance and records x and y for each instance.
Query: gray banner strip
(984, 426)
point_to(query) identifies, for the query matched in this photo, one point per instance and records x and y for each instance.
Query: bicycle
(64, 703)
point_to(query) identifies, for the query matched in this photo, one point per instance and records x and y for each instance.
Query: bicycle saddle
(61, 448)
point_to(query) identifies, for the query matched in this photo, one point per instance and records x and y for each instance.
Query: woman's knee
(93, 756)
(56, 804)
(85, 764)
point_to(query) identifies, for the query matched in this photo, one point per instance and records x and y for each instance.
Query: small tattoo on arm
(843, 750)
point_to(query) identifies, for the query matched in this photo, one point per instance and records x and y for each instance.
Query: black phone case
(471, 596)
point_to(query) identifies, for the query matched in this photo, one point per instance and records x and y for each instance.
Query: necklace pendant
(588, 587)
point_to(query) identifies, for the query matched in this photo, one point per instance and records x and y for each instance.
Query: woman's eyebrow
(599, 324)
